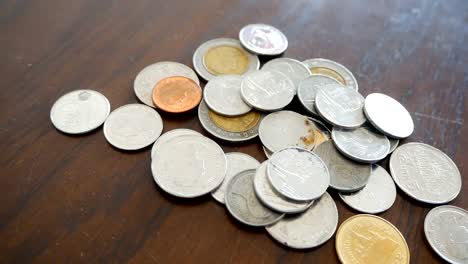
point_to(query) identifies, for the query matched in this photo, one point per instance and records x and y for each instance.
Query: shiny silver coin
(244, 205)
(222, 95)
(170, 135)
(263, 39)
(292, 68)
(425, 173)
(388, 116)
(345, 175)
(377, 196)
(152, 74)
(332, 69)
(446, 230)
(308, 88)
(79, 111)
(132, 127)
(309, 229)
(189, 166)
(236, 162)
(298, 174)
(267, 152)
(393, 144)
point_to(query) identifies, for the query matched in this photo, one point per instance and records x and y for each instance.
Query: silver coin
(263, 39)
(236, 162)
(169, 135)
(244, 205)
(323, 129)
(152, 74)
(425, 173)
(345, 175)
(292, 68)
(332, 69)
(377, 196)
(272, 199)
(79, 111)
(189, 166)
(222, 95)
(361, 144)
(132, 127)
(308, 88)
(393, 144)
(446, 230)
(267, 152)
(388, 116)
(310, 229)
(298, 174)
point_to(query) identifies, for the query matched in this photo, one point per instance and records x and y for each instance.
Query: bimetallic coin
(393, 144)
(222, 95)
(309, 229)
(169, 135)
(308, 88)
(244, 205)
(425, 173)
(292, 68)
(263, 39)
(79, 111)
(267, 152)
(176, 94)
(334, 70)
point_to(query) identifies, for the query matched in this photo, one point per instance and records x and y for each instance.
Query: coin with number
(222, 95)
(176, 94)
(308, 87)
(263, 39)
(169, 135)
(292, 68)
(334, 70)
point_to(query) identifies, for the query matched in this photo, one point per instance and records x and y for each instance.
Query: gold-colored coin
(328, 72)
(370, 239)
(226, 59)
(320, 137)
(236, 124)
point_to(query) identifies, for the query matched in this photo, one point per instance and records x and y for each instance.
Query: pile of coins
(333, 150)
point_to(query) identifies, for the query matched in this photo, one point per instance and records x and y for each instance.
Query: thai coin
(425, 173)
(152, 74)
(170, 135)
(308, 88)
(222, 95)
(298, 174)
(176, 94)
(263, 39)
(322, 133)
(393, 144)
(377, 196)
(446, 230)
(292, 68)
(244, 205)
(79, 111)
(309, 229)
(189, 166)
(132, 127)
(334, 70)
(267, 152)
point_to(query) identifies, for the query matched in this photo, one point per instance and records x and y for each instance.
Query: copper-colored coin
(235, 124)
(176, 94)
(328, 72)
(226, 59)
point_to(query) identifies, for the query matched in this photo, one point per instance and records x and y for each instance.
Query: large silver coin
(310, 229)
(267, 90)
(332, 69)
(446, 230)
(152, 74)
(222, 95)
(308, 88)
(377, 196)
(244, 205)
(298, 174)
(79, 111)
(169, 135)
(292, 68)
(425, 173)
(132, 127)
(263, 39)
(388, 115)
(189, 166)
(345, 175)
(236, 162)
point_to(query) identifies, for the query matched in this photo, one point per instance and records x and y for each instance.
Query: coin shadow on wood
(89, 133)
(178, 117)
(126, 151)
(303, 250)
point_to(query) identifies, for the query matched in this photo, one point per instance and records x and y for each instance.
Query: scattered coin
(308, 87)
(334, 70)
(322, 133)
(176, 94)
(222, 95)
(263, 39)
(169, 135)
(292, 68)
(393, 144)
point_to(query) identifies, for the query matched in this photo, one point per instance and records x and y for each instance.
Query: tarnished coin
(236, 162)
(132, 127)
(267, 152)
(309, 229)
(393, 144)
(292, 68)
(263, 39)
(298, 174)
(169, 135)
(222, 95)
(79, 111)
(308, 87)
(446, 230)
(322, 133)
(377, 196)
(425, 173)
(345, 175)
(152, 74)
(189, 166)
(334, 70)
(244, 205)
(388, 116)
(176, 94)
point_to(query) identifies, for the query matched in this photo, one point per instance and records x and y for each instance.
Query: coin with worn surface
(169, 135)
(236, 162)
(309, 229)
(322, 133)
(222, 95)
(446, 230)
(79, 111)
(425, 173)
(298, 174)
(393, 144)
(152, 74)
(263, 39)
(132, 127)
(334, 70)
(292, 68)
(308, 87)
(244, 205)
(176, 94)
(370, 239)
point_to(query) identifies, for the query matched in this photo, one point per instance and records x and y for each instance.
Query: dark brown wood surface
(68, 199)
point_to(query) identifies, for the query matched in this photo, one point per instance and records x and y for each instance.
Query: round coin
(334, 70)
(308, 87)
(263, 39)
(222, 95)
(292, 68)
(176, 94)
(169, 135)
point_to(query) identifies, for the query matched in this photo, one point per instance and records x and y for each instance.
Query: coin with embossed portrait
(333, 70)
(169, 135)
(222, 95)
(263, 39)
(308, 87)
(292, 68)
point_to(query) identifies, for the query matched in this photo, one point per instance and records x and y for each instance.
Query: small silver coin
(345, 175)
(292, 68)
(393, 144)
(309, 229)
(298, 174)
(446, 230)
(263, 39)
(79, 111)
(236, 162)
(332, 69)
(425, 173)
(267, 152)
(169, 135)
(308, 88)
(244, 205)
(377, 196)
(222, 95)
(388, 116)
(132, 127)
(152, 74)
